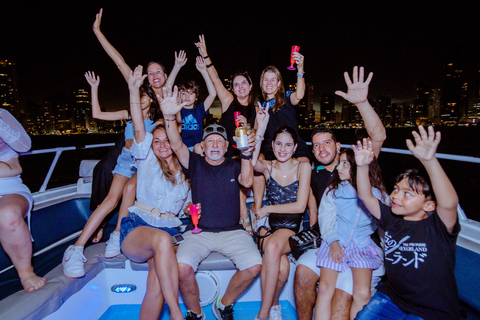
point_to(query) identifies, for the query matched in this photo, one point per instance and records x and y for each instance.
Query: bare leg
(108, 204)
(282, 278)
(128, 199)
(240, 281)
(362, 279)
(16, 241)
(152, 304)
(326, 288)
(189, 288)
(305, 290)
(145, 243)
(274, 247)
(341, 303)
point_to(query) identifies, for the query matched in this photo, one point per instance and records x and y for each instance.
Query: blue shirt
(192, 124)
(130, 134)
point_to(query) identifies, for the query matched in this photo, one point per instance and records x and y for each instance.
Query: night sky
(52, 43)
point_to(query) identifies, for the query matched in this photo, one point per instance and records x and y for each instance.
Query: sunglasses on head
(214, 129)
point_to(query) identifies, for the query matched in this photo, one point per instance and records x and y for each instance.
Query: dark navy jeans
(382, 307)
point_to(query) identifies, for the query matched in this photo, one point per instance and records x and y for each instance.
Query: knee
(325, 289)
(162, 241)
(362, 294)
(304, 278)
(11, 217)
(185, 272)
(254, 271)
(272, 249)
(130, 188)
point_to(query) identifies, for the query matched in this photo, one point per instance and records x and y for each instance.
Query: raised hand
(358, 89)
(98, 20)
(364, 154)
(299, 60)
(200, 64)
(169, 103)
(426, 143)
(262, 116)
(201, 45)
(93, 81)
(181, 58)
(136, 78)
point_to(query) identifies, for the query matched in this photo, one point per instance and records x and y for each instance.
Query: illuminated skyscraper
(8, 87)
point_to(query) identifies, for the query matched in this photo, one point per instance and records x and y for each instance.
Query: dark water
(455, 140)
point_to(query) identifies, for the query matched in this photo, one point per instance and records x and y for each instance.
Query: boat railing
(470, 235)
(58, 152)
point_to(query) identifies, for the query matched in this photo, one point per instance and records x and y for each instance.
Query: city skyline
(404, 44)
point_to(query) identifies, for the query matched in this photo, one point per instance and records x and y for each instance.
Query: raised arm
(135, 80)
(109, 49)
(180, 61)
(12, 133)
(170, 108)
(357, 94)
(296, 96)
(424, 149)
(212, 93)
(261, 123)
(225, 96)
(97, 113)
(364, 155)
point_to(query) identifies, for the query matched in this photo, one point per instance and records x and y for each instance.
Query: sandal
(247, 228)
(253, 215)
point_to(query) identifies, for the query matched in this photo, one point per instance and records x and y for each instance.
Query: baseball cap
(214, 128)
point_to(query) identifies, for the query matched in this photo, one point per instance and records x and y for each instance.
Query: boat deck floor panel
(241, 310)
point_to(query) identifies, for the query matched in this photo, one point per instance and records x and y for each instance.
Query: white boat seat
(215, 261)
(84, 183)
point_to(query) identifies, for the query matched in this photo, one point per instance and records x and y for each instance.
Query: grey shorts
(236, 245)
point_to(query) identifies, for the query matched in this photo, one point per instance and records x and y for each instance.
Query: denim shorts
(125, 164)
(133, 221)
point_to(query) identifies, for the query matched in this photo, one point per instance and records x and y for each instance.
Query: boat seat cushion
(468, 277)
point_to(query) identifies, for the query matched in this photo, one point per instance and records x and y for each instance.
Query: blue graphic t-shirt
(192, 125)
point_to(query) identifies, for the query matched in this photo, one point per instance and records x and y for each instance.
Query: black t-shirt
(217, 189)
(319, 182)
(286, 115)
(227, 120)
(420, 264)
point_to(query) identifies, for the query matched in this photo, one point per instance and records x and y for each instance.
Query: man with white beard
(215, 184)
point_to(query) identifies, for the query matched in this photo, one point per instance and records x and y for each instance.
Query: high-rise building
(82, 110)
(452, 92)
(9, 98)
(327, 108)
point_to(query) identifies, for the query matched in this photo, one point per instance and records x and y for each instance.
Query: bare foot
(32, 282)
(97, 236)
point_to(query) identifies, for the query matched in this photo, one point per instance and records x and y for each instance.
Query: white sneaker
(276, 312)
(73, 262)
(113, 245)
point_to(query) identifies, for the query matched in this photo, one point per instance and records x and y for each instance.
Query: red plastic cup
(292, 61)
(194, 214)
(237, 114)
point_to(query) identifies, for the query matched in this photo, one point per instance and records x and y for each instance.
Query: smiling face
(214, 146)
(156, 75)
(283, 146)
(161, 145)
(270, 84)
(325, 149)
(189, 97)
(241, 87)
(409, 203)
(344, 168)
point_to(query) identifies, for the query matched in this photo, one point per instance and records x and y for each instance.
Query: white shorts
(236, 245)
(345, 279)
